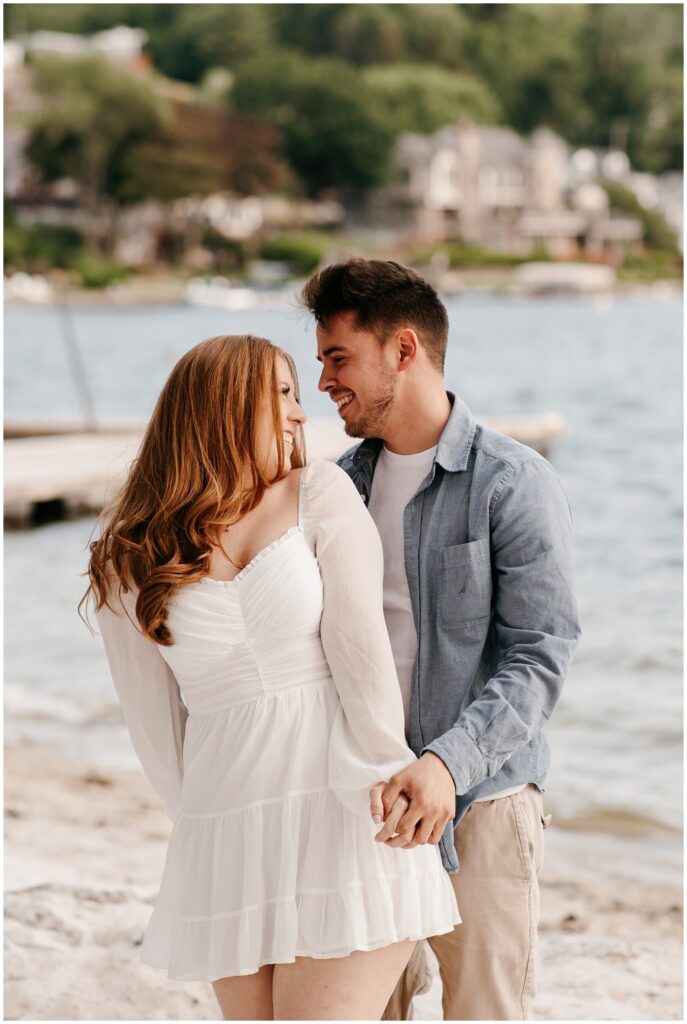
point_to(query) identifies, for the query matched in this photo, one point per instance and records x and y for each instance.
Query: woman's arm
(150, 699)
(368, 740)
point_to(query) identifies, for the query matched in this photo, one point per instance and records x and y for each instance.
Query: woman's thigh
(247, 996)
(354, 987)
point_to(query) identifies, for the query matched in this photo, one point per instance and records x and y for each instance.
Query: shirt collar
(454, 445)
(457, 436)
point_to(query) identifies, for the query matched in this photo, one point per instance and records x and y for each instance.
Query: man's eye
(337, 359)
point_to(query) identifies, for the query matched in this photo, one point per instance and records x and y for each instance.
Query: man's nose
(325, 382)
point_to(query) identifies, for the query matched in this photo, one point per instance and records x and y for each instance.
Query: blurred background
(172, 172)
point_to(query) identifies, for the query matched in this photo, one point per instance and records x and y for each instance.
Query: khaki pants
(487, 962)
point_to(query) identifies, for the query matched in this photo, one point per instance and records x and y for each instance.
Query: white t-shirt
(396, 480)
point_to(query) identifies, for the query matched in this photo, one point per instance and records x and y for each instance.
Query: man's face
(358, 374)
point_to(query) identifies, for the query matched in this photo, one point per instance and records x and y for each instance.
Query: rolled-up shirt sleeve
(367, 743)
(150, 698)
(536, 622)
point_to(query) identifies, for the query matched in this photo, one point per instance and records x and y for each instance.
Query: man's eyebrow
(328, 351)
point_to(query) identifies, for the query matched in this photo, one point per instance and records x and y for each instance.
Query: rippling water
(613, 368)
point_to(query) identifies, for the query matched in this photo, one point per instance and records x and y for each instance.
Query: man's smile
(343, 400)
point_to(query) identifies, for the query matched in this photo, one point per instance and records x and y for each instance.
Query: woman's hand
(429, 785)
(397, 811)
(376, 805)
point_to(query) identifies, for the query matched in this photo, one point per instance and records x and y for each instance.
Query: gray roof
(497, 145)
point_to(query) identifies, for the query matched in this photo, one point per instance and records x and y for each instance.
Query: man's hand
(429, 786)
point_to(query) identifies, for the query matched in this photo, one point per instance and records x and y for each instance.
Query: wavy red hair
(187, 481)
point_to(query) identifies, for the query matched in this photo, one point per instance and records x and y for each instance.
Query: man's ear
(407, 347)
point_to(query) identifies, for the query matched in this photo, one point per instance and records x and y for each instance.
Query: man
(479, 603)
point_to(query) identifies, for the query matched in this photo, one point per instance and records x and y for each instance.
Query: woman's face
(291, 417)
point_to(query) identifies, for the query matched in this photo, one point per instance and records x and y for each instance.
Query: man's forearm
(514, 706)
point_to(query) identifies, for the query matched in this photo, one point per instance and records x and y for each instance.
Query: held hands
(417, 803)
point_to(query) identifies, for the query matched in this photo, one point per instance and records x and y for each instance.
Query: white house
(492, 187)
(121, 45)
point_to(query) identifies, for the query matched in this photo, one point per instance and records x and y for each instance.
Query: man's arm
(536, 622)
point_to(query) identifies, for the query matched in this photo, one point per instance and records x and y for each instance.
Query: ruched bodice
(290, 711)
(237, 640)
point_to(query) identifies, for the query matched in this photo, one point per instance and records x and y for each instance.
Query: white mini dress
(291, 712)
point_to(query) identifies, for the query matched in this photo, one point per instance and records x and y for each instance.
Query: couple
(366, 655)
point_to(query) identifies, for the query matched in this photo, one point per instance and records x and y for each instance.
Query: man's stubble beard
(371, 422)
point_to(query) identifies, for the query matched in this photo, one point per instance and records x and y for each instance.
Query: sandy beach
(84, 851)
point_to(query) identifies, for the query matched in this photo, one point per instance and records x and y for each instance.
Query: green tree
(198, 37)
(598, 74)
(334, 136)
(309, 28)
(434, 32)
(661, 145)
(368, 34)
(633, 81)
(656, 232)
(530, 56)
(112, 134)
(93, 117)
(422, 98)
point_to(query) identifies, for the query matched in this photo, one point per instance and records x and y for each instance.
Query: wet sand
(84, 851)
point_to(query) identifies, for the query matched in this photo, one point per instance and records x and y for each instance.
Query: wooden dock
(59, 471)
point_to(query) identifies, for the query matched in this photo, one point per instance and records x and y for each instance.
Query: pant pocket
(524, 837)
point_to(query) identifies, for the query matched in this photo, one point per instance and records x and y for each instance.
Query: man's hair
(383, 295)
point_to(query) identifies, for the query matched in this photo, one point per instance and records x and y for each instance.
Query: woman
(233, 574)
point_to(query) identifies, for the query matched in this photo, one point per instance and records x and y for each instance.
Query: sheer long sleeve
(150, 698)
(368, 742)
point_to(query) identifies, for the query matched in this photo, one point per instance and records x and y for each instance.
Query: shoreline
(85, 848)
(172, 292)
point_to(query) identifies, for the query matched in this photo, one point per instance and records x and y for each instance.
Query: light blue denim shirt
(489, 562)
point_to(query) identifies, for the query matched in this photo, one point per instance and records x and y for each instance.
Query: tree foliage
(368, 34)
(598, 74)
(634, 80)
(204, 36)
(529, 57)
(656, 232)
(422, 98)
(93, 118)
(334, 136)
(436, 33)
(112, 134)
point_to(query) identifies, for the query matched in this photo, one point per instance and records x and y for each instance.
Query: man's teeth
(344, 401)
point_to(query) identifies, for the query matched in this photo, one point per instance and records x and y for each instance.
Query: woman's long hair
(188, 480)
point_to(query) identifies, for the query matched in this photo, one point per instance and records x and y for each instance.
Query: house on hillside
(662, 192)
(121, 45)
(491, 187)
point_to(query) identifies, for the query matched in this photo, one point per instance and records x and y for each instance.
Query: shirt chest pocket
(464, 583)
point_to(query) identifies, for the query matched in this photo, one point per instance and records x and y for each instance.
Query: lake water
(613, 368)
